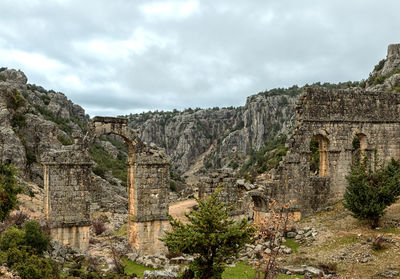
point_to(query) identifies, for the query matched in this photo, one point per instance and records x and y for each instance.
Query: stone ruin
(334, 118)
(67, 178)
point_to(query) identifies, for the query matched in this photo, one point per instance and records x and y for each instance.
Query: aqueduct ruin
(67, 174)
(335, 118)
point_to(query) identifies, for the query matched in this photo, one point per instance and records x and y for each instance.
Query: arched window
(359, 145)
(319, 164)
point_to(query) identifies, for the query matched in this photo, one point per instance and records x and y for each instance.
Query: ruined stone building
(335, 118)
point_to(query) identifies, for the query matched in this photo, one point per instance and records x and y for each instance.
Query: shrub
(15, 100)
(8, 190)
(30, 157)
(46, 99)
(378, 243)
(35, 238)
(18, 120)
(369, 192)
(98, 226)
(64, 141)
(271, 229)
(380, 65)
(210, 235)
(11, 238)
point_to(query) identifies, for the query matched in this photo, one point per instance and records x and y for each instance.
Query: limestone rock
(157, 274)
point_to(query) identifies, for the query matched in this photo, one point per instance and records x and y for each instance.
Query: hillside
(34, 120)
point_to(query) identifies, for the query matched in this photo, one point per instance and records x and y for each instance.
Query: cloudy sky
(123, 56)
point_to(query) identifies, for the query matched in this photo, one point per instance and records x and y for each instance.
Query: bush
(64, 141)
(30, 157)
(8, 190)
(98, 226)
(11, 238)
(35, 238)
(18, 120)
(369, 192)
(15, 100)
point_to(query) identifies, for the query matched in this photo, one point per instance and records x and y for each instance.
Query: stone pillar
(67, 175)
(148, 184)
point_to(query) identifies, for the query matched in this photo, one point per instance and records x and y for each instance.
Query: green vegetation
(105, 162)
(240, 271)
(15, 100)
(381, 79)
(64, 140)
(22, 250)
(210, 235)
(46, 99)
(18, 120)
(267, 158)
(123, 231)
(292, 244)
(369, 192)
(314, 155)
(134, 268)
(30, 157)
(62, 123)
(380, 65)
(8, 190)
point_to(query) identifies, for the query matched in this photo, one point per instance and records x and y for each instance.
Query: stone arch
(319, 155)
(359, 146)
(147, 183)
(260, 204)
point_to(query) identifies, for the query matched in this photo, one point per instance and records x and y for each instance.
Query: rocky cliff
(230, 132)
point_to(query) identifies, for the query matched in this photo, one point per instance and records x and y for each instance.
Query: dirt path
(177, 210)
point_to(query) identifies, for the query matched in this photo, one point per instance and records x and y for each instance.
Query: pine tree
(210, 235)
(369, 192)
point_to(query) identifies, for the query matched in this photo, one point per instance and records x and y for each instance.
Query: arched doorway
(319, 163)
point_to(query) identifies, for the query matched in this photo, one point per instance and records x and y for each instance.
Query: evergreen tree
(369, 192)
(8, 190)
(210, 235)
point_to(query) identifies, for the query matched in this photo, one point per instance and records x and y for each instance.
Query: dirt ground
(178, 209)
(347, 243)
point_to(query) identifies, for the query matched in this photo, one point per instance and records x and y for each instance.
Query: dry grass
(348, 243)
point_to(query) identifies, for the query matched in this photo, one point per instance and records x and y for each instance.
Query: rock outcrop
(188, 134)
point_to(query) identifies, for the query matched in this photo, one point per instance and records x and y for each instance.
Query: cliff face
(187, 135)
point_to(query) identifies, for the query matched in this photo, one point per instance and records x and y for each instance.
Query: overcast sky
(117, 57)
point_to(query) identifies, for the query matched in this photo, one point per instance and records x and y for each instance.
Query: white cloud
(115, 57)
(165, 10)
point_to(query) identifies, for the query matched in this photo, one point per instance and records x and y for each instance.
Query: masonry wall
(338, 116)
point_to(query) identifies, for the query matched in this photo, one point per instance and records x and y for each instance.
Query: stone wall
(67, 174)
(336, 117)
(233, 191)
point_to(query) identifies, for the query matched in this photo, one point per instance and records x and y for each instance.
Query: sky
(127, 56)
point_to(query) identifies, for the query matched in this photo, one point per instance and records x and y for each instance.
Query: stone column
(67, 175)
(148, 184)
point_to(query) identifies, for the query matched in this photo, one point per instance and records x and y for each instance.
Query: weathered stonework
(67, 180)
(67, 174)
(335, 118)
(232, 194)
